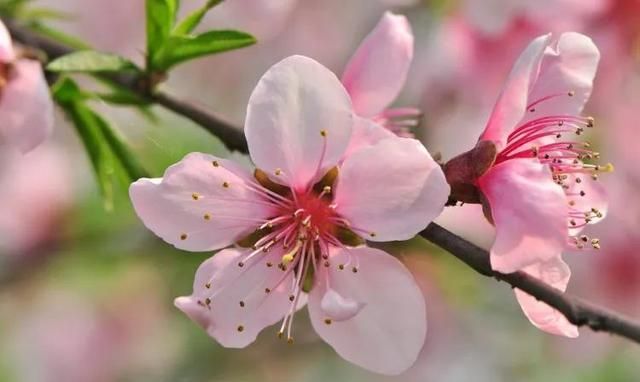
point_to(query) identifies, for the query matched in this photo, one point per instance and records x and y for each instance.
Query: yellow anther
(323, 133)
(287, 259)
(195, 196)
(207, 217)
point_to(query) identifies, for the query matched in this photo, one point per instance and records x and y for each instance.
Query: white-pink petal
(299, 121)
(202, 203)
(366, 133)
(387, 334)
(377, 71)
(26, 107)
(529, 211)
(391, 190)
(230, 302)
(568, 66)
(555, 273)
(512, 102)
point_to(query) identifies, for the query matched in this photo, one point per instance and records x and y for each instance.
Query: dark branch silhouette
(577, 311)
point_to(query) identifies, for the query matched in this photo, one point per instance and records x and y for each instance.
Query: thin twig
(577, 311)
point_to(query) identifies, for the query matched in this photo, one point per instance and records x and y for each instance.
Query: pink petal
(299, 121)
(238, 307)
(366, 133)
(192, 209)
(529, 211)
(569, 64)
(26, 108)
(7, 54)
(378, 69)
(386, 335)
(556, 274)
(512, 103)
(391, 190)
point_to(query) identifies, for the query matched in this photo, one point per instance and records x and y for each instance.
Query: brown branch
(577, 311)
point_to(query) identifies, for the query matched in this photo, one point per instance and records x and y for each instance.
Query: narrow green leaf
(42, 14)
(178, 49)
(91, 62)
(70, 99)
(127, 159)
(161, 15)
(189, 23)
(59, 36)
(108, 152)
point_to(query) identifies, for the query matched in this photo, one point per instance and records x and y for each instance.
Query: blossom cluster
(336, 170)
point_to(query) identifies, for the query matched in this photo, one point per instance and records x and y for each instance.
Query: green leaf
(161, 15)
(125, 157)
(68, 96)
(189, 23)
(91, 62)
(59, 36)
(109, 154)
(178, 49)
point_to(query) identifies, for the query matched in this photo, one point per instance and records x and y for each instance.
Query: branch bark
(576, 310)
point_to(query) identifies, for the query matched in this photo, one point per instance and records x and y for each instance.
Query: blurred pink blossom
(35, 190)
(26, 108)
(311, 207)
(541, 193)
(377, 72)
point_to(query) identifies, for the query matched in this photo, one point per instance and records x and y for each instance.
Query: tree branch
(577, 311)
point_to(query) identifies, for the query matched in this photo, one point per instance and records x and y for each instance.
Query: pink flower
(377, 71)
(533, 179)
(301, 220)
(26, 108)
(32, 205)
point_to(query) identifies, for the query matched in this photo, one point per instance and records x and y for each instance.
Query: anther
(207, 301)
(590, 121)
(269, 264)
(207, 285)
(240, 328)
(571, 93)
(286, 259)
(341, 266)
(242, 304)
(582, 193)
(323, 133)
(195, 196)
(215, 163)
(328, 321)
(267, 290)
(207, 217)
(241, 264)
(354, 270)
(372, 234)
(278, 171)
(225, 184)
(292, 297)
(326, 264)
(290, 340)
(183, 236)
